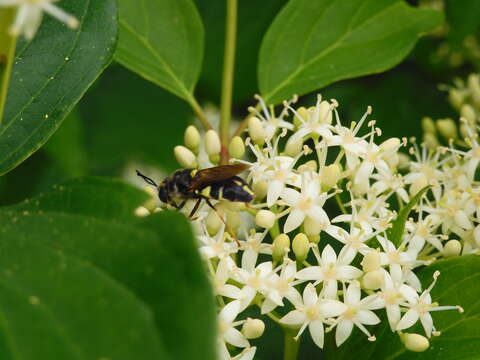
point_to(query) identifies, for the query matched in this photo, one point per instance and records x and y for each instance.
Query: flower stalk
(291, 345)
(227, 80)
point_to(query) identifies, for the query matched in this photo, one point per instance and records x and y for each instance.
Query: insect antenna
(147, 179)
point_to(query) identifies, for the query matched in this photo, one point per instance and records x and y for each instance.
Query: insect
(219, 183)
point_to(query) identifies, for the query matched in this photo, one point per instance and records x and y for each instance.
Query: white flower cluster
(312, 251)
(29, 15)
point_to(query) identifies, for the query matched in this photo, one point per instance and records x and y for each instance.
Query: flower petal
(316, 331)
(344, 329)
(235, 338)
(294, 318)
(409, 319)
(294, 220)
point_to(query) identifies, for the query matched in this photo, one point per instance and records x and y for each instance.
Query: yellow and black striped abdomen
(231, 189)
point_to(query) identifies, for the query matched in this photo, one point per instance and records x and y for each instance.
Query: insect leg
(182, 204)
(229, 230)
(195, 208)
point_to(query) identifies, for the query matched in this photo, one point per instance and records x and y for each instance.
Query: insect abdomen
(233, 189)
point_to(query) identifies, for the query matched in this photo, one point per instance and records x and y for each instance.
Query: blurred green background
(125, 120)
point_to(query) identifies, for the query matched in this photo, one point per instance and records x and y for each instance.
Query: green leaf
(459, 339)
(94, 196)
(463, 19)
(314, 43)
(395, 233)
(154, 260)
(162, 40)
(51, 74)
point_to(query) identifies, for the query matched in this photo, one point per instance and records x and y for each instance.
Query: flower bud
(371, 261)
(452, 248)
(447, 128)
(265, 219)
(280, 246)
(294, 146)
(234, 219)
(212, 142)
(473, 83)
(185, 157)
(236, 147)
(308, 166)
(300, 246)
(312, 227)
(390, 144)
(468, 112)
(303, 113)
(415, 342)
(418, 185)
(213, 223)
(373, 280)
(430, 140)
(403, 161)
(256, 131)
(253, 328)
(428, 126)
(314, 238)
(214, 158)
(233, 205)
(191, 138)
(331, 174)
(325, 112)
(456, 98)
(141, 211)
(260, 189)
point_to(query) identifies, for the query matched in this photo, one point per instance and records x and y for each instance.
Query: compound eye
(163, 194)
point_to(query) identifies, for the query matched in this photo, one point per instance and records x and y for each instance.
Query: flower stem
(8, 44)
(227, 82)
(290, 346)
(200, 113)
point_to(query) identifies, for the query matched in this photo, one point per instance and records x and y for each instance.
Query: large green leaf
(459, 339)
(154, 261)
(314, 43)
(51, 73)
(162, 40)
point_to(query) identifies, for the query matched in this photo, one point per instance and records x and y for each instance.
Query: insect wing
(215, 174)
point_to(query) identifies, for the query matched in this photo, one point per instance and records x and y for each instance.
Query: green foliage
(396, 232)
(463, 18)
(310, 43)
(457, 285)
(81, 279)
(50, 75)
(162, 40)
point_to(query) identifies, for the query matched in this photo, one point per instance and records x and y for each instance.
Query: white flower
(216, 247)
(271, 123)
(220, 278)
(420, 307)
(312, 314)
(30, 13)
(330, 270)
(226, 329)
(308, 202)
(358, 312)
(252, 246)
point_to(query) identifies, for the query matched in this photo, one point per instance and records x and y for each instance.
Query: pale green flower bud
(185, 157)
(373, 280)
(473, 82)
(236, 147)
(141, 211)
(256, 131)
(418, 185)
(308, 166)
(331, 174)
(293, 146)
(390, 144)
(415, 342)
(447, 128)
(301, 246)
(280, 246)
(303, 113)
(253, 328)
(212, 143)
(191, 138)
(312, 227)
(213, 223)
(260, 189)
(214, 158)
(265, 219)
(456, 98)
(430, 140)
(468, 112)
(428, 125)
(314, 238)
(233, 205)
(452, 248)
(403, 161)
(371, 261)
(233, 220)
